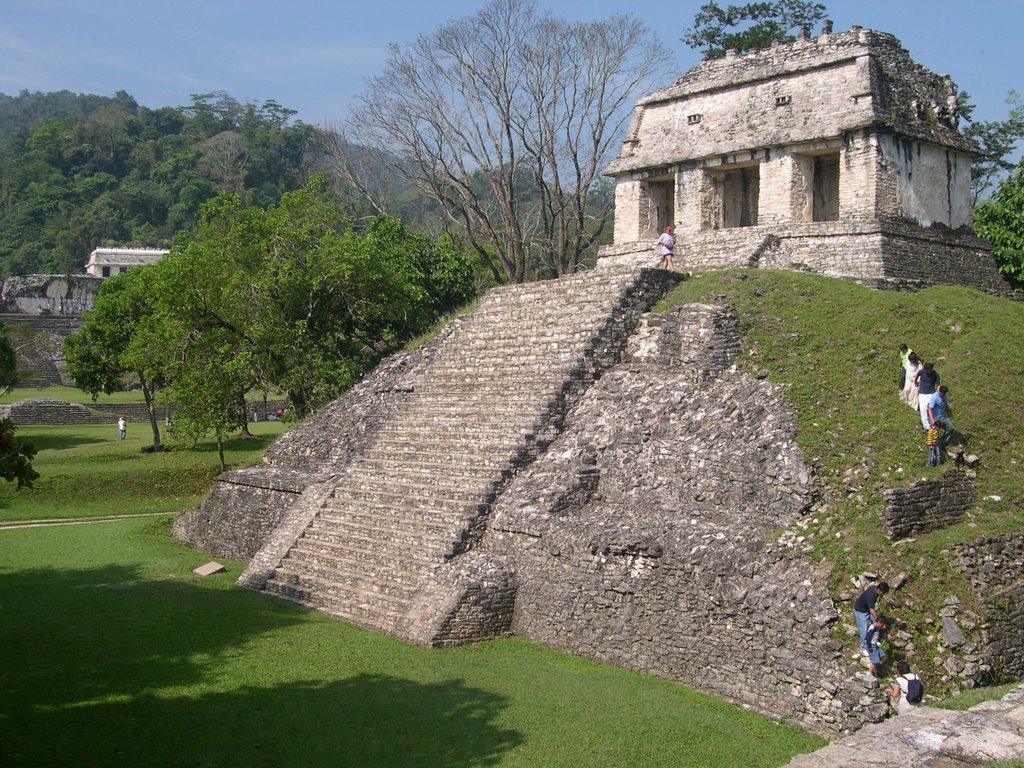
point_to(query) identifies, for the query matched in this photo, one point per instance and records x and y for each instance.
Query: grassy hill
(834, 344)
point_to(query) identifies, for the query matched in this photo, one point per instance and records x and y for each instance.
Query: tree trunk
(147, 392)
(220, 452)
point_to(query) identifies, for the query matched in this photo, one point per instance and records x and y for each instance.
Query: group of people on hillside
(920, 389)
(906, 690)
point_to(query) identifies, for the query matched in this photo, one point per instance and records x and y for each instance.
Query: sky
(314, 56)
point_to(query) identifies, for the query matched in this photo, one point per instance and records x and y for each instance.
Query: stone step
(413, 487)
(361, 607)
(444, 527)
(327, 549)
(375, 575)
(448, 499)
(466, 466)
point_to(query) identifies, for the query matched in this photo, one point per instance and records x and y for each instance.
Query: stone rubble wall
(644, 535)
(892, 254)
(995, 566)
(926, 736)
(927, 505)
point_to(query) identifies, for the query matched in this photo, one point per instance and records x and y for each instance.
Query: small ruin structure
(107, 262)
(837, 154)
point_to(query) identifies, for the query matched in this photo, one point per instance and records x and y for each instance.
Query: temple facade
(837, 154)
(107, 262)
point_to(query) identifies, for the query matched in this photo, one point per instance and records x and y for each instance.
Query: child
(934, 451)
(875, 654)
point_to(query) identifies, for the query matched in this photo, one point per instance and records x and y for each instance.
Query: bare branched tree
(505, 119)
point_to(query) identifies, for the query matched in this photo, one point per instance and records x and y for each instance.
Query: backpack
(915, 690)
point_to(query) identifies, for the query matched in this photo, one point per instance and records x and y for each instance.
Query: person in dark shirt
(927, 380)
(864, 611)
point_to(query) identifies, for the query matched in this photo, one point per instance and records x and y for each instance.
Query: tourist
(938, 418)
(875, 652)
(907, 689)
(122, 430)
(927, 381)
(668, 244)
(934, 453)
(905, 352)
(909, 393)
(864, 611)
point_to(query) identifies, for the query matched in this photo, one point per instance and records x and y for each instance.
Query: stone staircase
(493, 398)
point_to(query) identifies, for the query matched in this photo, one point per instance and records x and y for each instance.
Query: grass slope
(115, 654)
(86, 471)
(834, 345)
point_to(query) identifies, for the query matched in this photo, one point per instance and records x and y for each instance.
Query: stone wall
(995, 566)
(886, 254)
(643, 536)
(245, 507)
(927, 505)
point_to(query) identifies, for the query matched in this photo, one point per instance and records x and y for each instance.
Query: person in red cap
(667, 243)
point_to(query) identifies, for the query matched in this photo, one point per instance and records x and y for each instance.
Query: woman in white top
(901, 686)
(910, 387)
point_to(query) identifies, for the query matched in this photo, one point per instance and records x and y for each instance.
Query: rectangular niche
(730, 197)
(661, 204)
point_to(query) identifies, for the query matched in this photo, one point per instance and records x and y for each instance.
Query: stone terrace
(361, 547)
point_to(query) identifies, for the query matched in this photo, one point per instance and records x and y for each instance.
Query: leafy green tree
(114, 173)
(1000, 220)
(123, 341)
(998, 140)
(716, 30)
(8, 361)
(297, 300)
(16, 457)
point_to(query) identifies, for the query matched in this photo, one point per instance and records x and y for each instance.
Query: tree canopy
(1000, 220)
(997, 140)
(81, 171)
(286, 298)
(716, 30)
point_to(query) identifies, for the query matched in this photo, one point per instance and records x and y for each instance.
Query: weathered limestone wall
(928, 184)
(887, 254)
(995, 566)
(927, 505)
(644, 536)
(49, 294)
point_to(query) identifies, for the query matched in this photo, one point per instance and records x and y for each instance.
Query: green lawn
(70, 395)
(115, 654)
(87, 471)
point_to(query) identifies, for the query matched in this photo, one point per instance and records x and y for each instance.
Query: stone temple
(837, 154)
(563, 465)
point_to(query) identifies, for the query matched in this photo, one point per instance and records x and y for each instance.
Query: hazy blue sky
(313, 56)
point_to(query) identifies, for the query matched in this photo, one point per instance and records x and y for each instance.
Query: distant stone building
(838, 154)
(107, 262)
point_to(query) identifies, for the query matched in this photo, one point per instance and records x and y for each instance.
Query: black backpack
(915, 690)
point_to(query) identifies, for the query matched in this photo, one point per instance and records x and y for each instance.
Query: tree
(998, 140)
(293, 298)
(122, 341)
(8, 361)
(716, 30)
(16, 456)
(505, 118)
(1000, 220)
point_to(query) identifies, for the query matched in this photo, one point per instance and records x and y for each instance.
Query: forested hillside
(78, 171)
